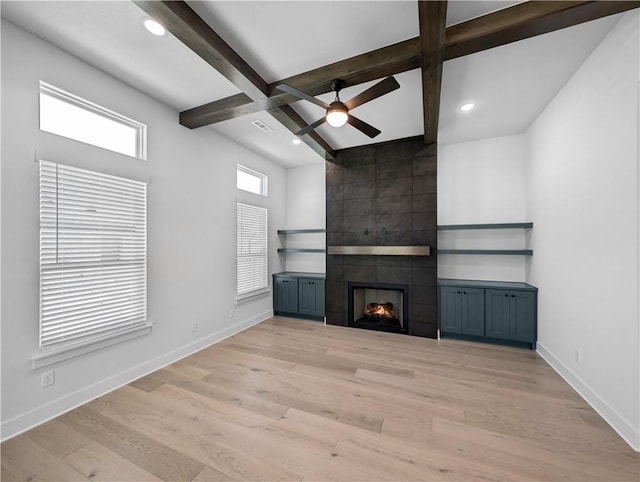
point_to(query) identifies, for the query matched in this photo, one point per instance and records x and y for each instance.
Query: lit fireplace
(380, 307)
(384, 310)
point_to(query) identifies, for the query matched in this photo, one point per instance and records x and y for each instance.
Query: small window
(252, 261)
(70, 116)
(252, 181)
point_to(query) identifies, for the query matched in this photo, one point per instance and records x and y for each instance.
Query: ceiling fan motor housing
(337, 85)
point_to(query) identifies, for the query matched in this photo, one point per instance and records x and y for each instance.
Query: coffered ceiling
(510, 84)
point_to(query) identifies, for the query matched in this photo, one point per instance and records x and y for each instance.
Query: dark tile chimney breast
(384, 194)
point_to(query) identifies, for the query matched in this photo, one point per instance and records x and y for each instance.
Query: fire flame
(380, 309)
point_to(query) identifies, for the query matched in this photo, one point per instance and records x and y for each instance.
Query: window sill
(253, 294)
(53, 356)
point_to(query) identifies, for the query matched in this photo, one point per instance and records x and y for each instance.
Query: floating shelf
(301, 231)
(460, 227)
(525, 252)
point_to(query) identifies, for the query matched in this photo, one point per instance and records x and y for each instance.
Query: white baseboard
(609, 414)
(26, 421)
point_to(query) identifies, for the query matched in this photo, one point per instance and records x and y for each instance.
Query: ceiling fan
(338, 112)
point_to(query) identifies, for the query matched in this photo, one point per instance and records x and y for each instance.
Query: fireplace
(379, 306)
(383, 197)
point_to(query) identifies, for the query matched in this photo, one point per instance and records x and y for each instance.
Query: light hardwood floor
(296, 400)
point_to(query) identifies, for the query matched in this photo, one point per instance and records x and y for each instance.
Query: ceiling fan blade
(310, 127)
(363, 126)
(302, 95)
(384, 87)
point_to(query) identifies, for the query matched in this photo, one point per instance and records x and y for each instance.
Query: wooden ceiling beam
(373, 65)
(289, 118)
(188, 27)
(518, 22)
(525, 20)
(433, 17)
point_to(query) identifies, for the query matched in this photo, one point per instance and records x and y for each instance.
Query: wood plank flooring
(296, 400)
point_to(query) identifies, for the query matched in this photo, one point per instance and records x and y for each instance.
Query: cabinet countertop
(508, 285)
(297, 274)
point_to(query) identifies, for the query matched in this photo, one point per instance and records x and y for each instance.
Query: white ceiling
(510, 84)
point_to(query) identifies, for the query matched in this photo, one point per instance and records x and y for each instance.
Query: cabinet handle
(458, 292)
(506, 296)
(464, 292)
(513, 296)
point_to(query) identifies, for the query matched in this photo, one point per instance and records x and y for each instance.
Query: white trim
(252, 294)
(46, 358)
(87, 105)
(26, 421)
(608, 413)
(264, 180)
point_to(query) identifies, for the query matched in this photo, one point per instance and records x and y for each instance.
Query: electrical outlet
(47, 379)
(232, 313)
(194, 327)
(578, 356)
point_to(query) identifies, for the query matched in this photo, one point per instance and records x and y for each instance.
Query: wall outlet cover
(47, 379)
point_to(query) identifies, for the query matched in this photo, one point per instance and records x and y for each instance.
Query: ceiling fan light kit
(337, 113)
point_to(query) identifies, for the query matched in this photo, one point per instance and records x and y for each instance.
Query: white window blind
(93, 276)
(251, 249)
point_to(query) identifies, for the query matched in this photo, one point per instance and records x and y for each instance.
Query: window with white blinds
(251, 249)
(93, 255)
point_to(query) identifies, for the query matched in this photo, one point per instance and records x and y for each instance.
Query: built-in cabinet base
(492, 311)
(299, 295)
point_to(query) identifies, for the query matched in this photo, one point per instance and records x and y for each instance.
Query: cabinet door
(285, 295)
(450, 306)
(311, 297)
(498, 313)
(522, 326)
(319, 284)
(473, 311)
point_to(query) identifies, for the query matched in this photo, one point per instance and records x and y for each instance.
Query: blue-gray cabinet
(496, 311)
(285, 294)
(311, 297)
(462, 310)
(299, 294)
(510, 314)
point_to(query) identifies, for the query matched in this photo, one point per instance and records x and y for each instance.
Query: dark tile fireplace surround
(383, 195)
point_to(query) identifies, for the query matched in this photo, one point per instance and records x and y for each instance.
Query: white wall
(482, 182)
(582, 191)
(306, 208)
(191, 231)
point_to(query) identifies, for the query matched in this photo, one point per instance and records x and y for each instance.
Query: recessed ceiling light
(154, 27)
(467, 107)
(296, 141)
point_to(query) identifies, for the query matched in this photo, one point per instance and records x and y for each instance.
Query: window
(70, 116)
(252, 181)
(93, 256)
(252, 250)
